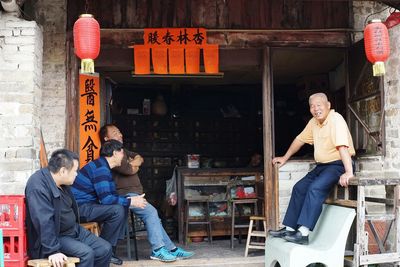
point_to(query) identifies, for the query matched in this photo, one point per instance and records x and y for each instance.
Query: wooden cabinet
(218, 187)
(164, 142)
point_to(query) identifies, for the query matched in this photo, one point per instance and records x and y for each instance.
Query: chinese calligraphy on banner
(175, 36)
(89, 118)
(175, 51)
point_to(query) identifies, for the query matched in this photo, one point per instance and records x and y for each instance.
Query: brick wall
(52, 16)
(388, 166)
(21, 45)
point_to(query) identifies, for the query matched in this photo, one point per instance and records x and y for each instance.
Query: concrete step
(257, 261)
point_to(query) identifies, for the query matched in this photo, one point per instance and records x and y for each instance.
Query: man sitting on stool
(333, 148)
(128, 183)
(98, 201)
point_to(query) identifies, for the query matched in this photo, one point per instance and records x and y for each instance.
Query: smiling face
(113, 133)
(319, 107)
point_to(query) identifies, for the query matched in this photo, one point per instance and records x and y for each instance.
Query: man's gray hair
(320, 95)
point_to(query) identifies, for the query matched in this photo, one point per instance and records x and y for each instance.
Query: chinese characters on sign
(89, 118)
(175, 36)
(175, 51)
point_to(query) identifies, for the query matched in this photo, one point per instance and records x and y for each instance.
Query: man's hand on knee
(138, 201)
(58, 259)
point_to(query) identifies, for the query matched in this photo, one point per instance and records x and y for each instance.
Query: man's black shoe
(297, 238)
(115, 260)
(280, 233)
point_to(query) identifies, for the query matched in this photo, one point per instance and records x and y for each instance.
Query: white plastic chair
(326, 243)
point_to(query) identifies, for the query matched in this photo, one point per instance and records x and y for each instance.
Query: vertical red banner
(89, 118)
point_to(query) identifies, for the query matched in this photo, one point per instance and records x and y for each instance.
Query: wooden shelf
(201, 75)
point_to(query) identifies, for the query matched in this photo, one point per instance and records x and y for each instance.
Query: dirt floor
(216, 254)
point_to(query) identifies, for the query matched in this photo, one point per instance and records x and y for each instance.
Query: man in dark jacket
(52, 216)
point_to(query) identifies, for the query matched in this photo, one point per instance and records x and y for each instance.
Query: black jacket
(43, 202)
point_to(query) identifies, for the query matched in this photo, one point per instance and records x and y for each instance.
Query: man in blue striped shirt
(95, 192)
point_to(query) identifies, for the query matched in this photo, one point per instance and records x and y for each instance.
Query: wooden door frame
(248, 39)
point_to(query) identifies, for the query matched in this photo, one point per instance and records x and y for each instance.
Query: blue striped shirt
(94, 184)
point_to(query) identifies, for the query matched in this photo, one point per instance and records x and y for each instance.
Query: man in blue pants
(98, 200)
(327, 131)
(52, 217)
(128, 183)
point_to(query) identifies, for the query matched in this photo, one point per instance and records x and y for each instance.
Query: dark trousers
(90, 249)
(309, 194)
(111, 217)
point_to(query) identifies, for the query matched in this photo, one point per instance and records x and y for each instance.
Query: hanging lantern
(87, 41)
(377, 49)
(392, 20)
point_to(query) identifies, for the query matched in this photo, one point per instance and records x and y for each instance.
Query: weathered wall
(21, 44)
(52, 16)
(388, 166)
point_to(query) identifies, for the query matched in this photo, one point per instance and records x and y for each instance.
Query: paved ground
(216, 254)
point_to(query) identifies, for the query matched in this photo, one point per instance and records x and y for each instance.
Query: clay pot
(159, 106)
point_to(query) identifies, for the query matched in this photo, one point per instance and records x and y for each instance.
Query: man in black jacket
(52, 217)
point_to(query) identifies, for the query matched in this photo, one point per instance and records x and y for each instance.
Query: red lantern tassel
(87, 65)
(378, 69)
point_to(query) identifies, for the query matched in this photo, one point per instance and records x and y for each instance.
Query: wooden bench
(326, 243)
(91, 226)
(45, 262)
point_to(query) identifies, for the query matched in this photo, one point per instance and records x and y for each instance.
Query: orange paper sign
(89, 118)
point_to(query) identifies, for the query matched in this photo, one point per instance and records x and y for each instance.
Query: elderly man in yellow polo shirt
(327, 131)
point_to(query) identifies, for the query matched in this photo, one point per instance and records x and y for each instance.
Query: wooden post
(270, 180)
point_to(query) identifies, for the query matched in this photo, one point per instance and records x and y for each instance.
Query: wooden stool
(236, 202)
(206, 221)
(256, 245)
(45, 262)
(92, 227)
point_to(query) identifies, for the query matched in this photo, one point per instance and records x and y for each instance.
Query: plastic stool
(206, 221)
(1, 249)
(256, 245)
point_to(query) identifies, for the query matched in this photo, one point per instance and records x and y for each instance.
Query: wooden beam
(243, 38)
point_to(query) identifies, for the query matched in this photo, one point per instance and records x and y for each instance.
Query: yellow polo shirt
(326, 137)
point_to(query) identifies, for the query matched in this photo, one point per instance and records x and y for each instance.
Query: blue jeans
(155, 231)
(90, 249)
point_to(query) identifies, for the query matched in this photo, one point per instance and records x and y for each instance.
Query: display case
(218, 187)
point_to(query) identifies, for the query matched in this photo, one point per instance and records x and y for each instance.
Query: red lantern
(377, 49)
(392, 20)
(87, 41)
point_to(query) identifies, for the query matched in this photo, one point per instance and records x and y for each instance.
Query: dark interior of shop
(220, 118)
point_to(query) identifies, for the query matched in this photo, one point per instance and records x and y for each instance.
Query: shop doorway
(298, 73)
